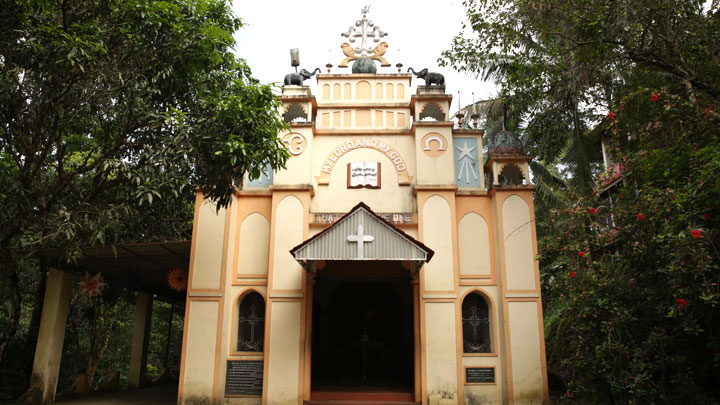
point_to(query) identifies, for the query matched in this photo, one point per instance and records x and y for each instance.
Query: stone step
(358, 402)
(361, 397)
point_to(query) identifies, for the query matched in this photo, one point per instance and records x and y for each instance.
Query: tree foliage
(111, 113)
(630, 267)
(631, 278)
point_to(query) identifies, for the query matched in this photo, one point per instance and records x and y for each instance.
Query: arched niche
(511, 175)
(295, 112)
(362, 90)
(253, 246)
(474, 246)
(389, 91)
(432, 111)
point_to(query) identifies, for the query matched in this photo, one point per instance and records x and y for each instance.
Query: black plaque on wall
(244, 377)
(480, 375)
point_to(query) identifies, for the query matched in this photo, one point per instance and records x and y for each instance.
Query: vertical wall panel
(200, 350)
(517, 235)
(526, 363)
(440, 351)
(208, 247)
(437, 234)
(284, 353)
(287, 273)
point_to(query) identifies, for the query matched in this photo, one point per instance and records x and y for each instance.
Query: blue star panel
(265, 180)
(467, 173)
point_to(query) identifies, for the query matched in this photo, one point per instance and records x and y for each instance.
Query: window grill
(251, 323)
(476, 325)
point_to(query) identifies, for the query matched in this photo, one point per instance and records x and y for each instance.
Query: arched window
(251, 323)
(476, 324)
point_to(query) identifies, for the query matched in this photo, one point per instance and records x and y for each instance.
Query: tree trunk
(12, 287)
(34, 328)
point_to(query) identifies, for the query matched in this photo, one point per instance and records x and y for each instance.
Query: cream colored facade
(432, 188)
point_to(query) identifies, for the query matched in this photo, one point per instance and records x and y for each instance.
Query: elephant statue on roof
(429, 77)
(297, 79)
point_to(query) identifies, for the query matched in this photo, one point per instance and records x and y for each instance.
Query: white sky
(418, 31)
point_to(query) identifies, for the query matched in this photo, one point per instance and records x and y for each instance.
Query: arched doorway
(362, 336)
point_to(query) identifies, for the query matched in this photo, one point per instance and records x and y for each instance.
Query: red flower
(592, 210)
(581, 253)
(573, 274)
(640, 217)
(611, 115)
(707, 217)
(681, 302)
(696, 233)
(654, 97)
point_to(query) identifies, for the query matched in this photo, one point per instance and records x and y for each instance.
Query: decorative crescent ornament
(295, 143)
(434, 144)
(177, 279)
(434, 138)
(92, 286)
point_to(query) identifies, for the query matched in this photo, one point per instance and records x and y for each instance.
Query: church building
(392, 261)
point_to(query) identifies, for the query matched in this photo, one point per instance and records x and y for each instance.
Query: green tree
(111, 112)
(631, 279)
(630, 276)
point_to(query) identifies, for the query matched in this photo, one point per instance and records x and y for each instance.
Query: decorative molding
(285, 295)
(439, 296)
(204, 294)
(515, 295)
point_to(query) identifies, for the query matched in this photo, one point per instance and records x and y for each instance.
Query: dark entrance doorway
(362, 337)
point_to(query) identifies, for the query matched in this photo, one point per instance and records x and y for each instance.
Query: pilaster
(141, 334)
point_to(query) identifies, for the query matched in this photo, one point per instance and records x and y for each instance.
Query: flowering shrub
(641, 324)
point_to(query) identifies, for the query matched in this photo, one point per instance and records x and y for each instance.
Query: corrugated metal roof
(362, 235)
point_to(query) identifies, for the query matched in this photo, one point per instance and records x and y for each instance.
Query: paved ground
(157, 395)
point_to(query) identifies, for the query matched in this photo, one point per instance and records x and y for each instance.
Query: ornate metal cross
(252, 319)
(360, 239)
(474, 320)
(364, 29)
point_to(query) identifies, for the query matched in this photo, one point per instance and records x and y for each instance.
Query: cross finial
(364, 29)
(360, 239)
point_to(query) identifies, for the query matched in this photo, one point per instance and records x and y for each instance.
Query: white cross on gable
(360, 239)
